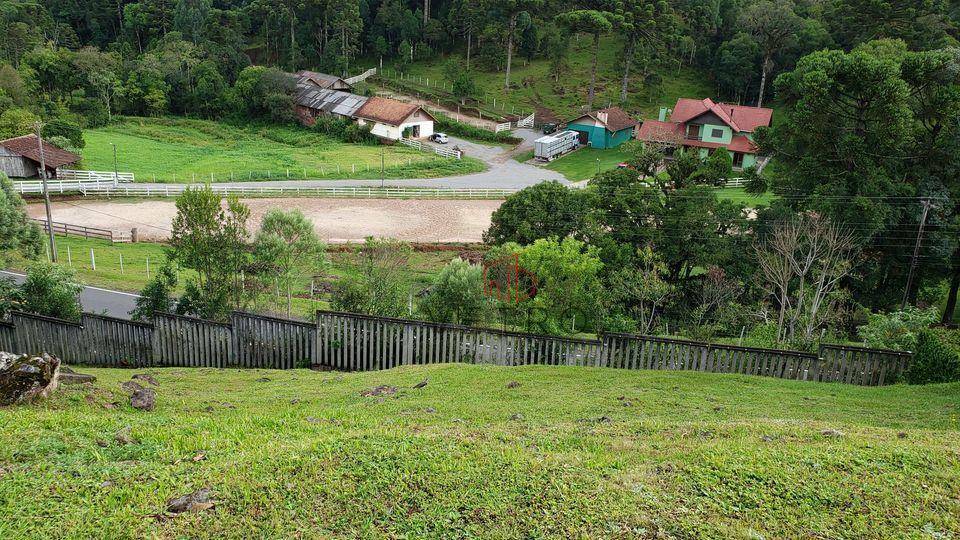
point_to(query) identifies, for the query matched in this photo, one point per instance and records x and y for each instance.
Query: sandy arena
(336, 220)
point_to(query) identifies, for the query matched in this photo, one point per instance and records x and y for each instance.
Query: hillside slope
(565, 453)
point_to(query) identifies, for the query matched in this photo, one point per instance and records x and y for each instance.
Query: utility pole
(916, 253)
(116, 174)
(46, 195)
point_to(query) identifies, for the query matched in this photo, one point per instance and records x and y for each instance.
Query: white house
(392, 119)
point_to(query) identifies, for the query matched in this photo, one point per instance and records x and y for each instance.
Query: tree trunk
(426, 11)
(293, 45)
(951, 306)
(469, 34)
(511, 28)
(593, 71)
(627, 62)
(763, 79)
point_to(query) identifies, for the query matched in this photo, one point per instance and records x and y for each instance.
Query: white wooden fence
(365, 192)
(62, 186)
(527, 122)
(505, 126)
(362, 77)
(88, 176)
(439, 150)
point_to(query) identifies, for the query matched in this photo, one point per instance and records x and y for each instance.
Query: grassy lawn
(537, 87)
(569, 453)
(740, 195)
(421, 267)
(183, 150)
(582, 164)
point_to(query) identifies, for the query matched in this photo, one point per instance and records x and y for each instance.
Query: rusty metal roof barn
(328, 101)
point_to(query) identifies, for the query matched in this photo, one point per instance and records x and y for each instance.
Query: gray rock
(516, 416)
(382, 390)
(24, 378)
(76, 378)
(513, 384)
(144, 399)
(193, 502)
(146, 378)
(130, 387)
(831, 433)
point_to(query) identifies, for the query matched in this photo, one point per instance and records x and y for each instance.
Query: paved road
(97, 300)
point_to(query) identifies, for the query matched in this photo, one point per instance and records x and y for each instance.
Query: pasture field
(181, 150)
(483, 452)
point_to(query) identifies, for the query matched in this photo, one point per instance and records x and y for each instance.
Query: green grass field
(537, 87)
(569, 453)
(184, 150)
(584, 163)
(74, 252)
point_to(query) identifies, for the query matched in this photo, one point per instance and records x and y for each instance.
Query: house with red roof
(707, 125)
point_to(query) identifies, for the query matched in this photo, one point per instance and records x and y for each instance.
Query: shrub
(9, 296)
(452, 127)
(896, 330)
(52, 291)
(933, 362)
(456, 295)
(60, 127)
(156, 296)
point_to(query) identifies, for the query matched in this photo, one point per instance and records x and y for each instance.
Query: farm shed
(394, 119)
(20, 157)
(310, 102)
(324, 81)
(606, 128)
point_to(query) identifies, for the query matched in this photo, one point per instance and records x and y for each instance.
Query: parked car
(440, 138)
(549, 128)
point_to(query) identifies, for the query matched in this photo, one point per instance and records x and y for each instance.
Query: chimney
(602, 116)
(663, 114)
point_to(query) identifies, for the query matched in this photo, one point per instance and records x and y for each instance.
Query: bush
(933, 362)
(452, 127)
(70, 131)
(51, 290)
(156, 296)
(456, 295)
(9, 296)
(897, 330)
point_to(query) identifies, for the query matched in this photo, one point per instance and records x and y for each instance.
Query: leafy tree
(456, 295)
(288, 245)
(774, 25)
(736, 62)
(649, 24)
(933, 361)
(51, 290)
(211, 240)
(17, 232)
(157, 295)
(595, 23)
(897, 330)
(377, 287)
(9, 296)
(16, 122)
(66, 129)
(539, 211)
(717, 168)
(511, 10)
(637, 294)
(568, 289)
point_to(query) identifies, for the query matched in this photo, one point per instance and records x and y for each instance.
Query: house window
(717, 133)
(738, 159)
(693, 132)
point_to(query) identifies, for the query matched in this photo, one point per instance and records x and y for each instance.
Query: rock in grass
(831, 433)
(146, 378)
(379, 391)
(263, 379)
(516, 416)
(192, 502)
(130, 387)
(75, 378)
(513, 384)
(143, 399)
(420, 384)
(123, 437)
(25, 378)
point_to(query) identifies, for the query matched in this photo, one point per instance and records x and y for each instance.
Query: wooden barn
(20, 157)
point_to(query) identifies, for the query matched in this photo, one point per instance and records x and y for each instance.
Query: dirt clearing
(336, 220)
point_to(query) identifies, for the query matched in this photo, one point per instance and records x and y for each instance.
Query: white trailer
(549, 147)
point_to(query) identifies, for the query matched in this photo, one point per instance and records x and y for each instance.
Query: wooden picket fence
(352, 342)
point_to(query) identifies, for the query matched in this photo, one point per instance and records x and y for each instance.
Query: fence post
(121, 263)
(93, 260)
(148, 267)
(69, 257)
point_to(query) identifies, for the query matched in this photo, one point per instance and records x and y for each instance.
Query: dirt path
(336, 220)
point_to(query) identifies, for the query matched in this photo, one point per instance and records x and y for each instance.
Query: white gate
(94, 176)
(527, 122)
(502, 127)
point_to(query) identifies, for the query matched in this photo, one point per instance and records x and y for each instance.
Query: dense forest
(85, 61)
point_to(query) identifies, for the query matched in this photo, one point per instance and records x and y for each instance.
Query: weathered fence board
(35, 334)
(268, 342)
(116, 342)
(8, 338)
(186, 341)
(352, 342)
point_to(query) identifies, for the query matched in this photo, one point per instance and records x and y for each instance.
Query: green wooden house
(606, 128)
